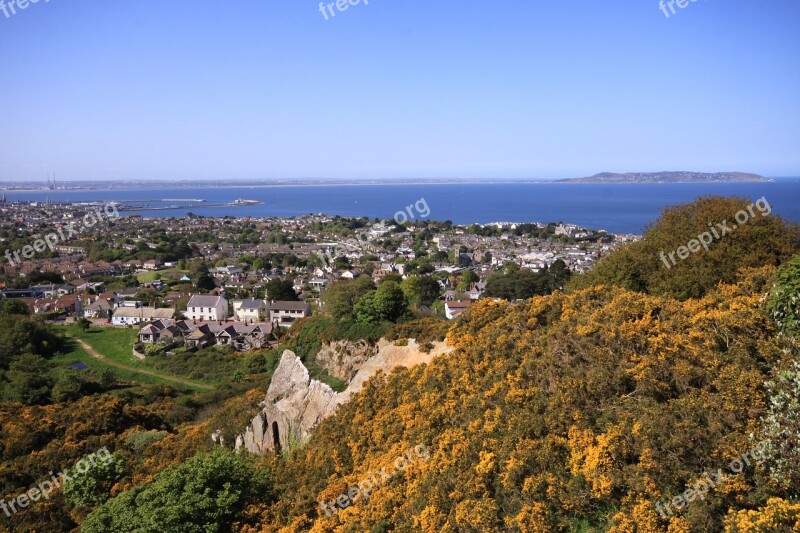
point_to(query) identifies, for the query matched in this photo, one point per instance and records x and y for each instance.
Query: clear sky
(250, 89)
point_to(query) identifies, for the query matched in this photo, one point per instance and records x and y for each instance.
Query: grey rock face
(295, 403)
(343, 359)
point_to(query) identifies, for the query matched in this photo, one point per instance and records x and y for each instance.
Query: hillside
(648, 398)
(574, 412)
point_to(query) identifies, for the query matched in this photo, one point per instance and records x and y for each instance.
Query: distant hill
(670, 177)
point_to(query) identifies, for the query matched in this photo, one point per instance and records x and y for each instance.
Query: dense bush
(93, 487)
(205, 494)
(642, 267)
(524, 284)
(781, 428)
(386, 304)
(784, 300)
(568, 412)
(19, 335)
(309, 334)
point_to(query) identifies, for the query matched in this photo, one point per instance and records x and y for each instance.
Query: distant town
(236, 281)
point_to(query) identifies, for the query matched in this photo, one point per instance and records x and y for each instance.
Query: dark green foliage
(93, 486)
(523, 284)
(307, 335)
(212, 365)
(387, 303)
(281, 290)
(28, 380)
(23, 335)
(341, 297)
(13, 307)
(203, 495)
(784, 300)
(421, 290)
(642, 267)
(68, 385)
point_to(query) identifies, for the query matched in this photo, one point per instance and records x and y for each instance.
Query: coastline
(211, 185)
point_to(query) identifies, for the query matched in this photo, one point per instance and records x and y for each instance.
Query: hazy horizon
(511, 90)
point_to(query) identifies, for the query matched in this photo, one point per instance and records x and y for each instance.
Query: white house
(319, 284)
(206, 307)
(130, 316)
(248, 310)
(285, 313)
(455, 308)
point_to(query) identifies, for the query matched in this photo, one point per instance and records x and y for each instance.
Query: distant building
(206, 307)
(319, 284)
(286, 313)
(241, 336)
(153, 264)
(455, 308)
(100, 308)
(252, 310)
(131, 316)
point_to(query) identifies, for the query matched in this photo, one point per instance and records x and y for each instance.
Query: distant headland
(671, 177)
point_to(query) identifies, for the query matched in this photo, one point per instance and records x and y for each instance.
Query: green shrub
(93, 487)
(142, 439)
(784, 300)
(205, 494)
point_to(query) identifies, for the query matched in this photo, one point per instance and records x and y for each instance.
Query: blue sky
(253, 89)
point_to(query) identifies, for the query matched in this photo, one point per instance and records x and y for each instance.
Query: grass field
(171, 274)
(116, 345)
(76, 354)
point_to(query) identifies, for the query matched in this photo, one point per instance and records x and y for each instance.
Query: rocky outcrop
(342, 359)
(391, 356)
(295, 403)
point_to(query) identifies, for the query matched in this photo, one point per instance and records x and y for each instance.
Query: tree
(93, 486)
(386, 303)
(468, 277)
(519, 285)
(13, 307)
(206, 493)
(341, 297)
(67, 387)
(421, 290)
(205, 282)
(558, 274)
(105, 377)
(784, 300)
(84, 324)
(392, 276)
(28, 380)
(281, 290)
(20, 335)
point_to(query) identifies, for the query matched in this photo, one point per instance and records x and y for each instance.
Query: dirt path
(100, 357)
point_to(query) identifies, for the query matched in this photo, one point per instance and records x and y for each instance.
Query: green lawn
(76, 354)
(146, 277)
(166, 275)
(116, 344)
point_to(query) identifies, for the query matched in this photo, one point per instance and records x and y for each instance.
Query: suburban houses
(210, 283)
(239, 335)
